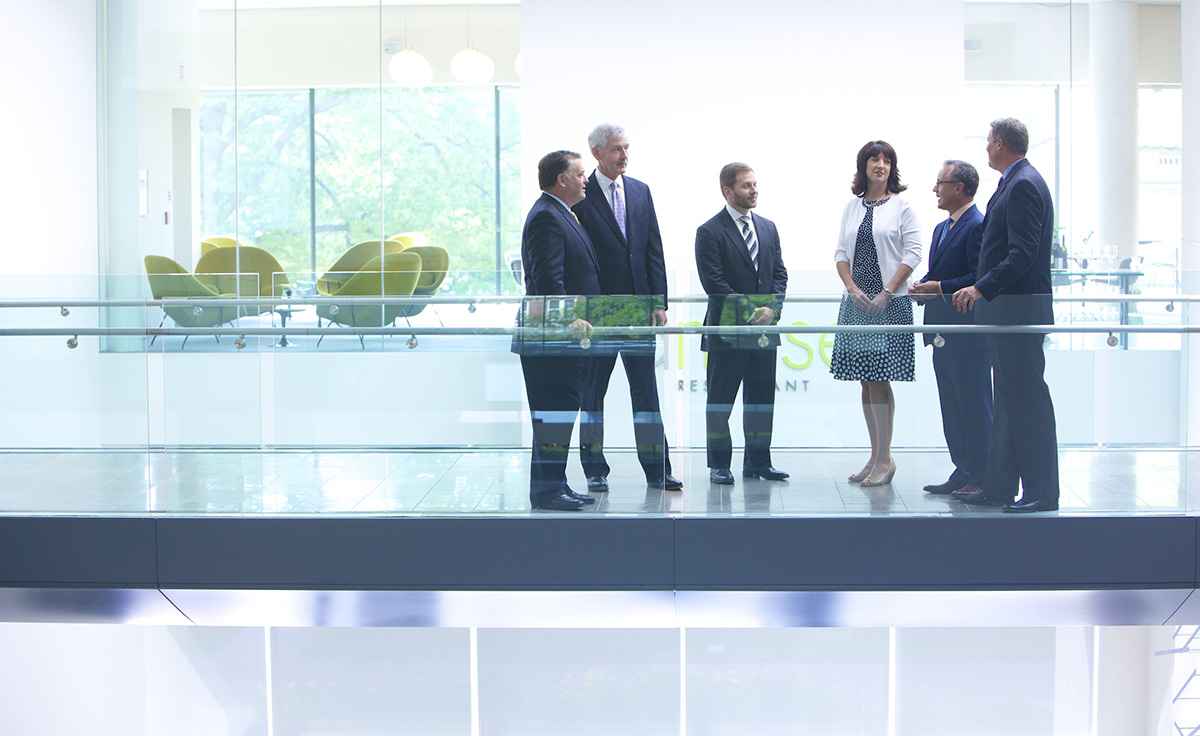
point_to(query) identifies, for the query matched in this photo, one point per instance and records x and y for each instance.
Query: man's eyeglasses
(946, 181)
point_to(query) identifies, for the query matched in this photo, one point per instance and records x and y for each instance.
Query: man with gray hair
(618, 214)
(1013, 288)
(960, 363)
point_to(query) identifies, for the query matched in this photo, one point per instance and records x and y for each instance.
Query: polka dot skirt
(872, 356)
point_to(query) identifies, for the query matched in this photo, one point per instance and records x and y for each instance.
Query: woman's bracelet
(888, 292)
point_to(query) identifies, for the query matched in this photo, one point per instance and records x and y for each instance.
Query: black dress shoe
(670, 483)
(767, 473)
(581, 496)
(597, 483)
(720, 476)
(1029, 507)
(983, 498)
(941, 489)
(561, 501)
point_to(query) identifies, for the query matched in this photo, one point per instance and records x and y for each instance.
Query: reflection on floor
(497, 482)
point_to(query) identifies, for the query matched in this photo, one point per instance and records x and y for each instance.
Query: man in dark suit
(741, 268)
(618, 215)
(961, 364)
(1013, 288)
(559, 262)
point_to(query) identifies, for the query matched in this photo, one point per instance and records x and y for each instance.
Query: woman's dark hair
(874, 148)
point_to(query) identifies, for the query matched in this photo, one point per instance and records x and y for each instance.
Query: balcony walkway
(496, 482)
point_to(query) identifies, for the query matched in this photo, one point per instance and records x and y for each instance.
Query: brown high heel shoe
(868, 483)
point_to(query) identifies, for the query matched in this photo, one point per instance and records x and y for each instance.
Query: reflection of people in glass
(879, 245)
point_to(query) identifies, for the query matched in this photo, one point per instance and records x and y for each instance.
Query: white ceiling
(284, 4)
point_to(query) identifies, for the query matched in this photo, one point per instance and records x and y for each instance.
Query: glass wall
(215, 680)
(291, 131)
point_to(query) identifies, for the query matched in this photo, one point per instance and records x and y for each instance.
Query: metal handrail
(447, 300)
(533, 334)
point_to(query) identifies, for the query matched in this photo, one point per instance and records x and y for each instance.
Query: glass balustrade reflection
(75, 432)
(434, 398)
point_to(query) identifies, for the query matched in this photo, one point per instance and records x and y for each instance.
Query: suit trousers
(648, 432)
(727, 371)
(964, 380)
(1024, 449)
(554, 386)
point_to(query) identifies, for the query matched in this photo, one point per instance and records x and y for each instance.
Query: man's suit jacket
(734, 287)
(1014, 257)
(954, 262)
(558, 259)
(631, 263)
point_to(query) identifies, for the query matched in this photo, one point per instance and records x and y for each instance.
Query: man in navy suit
(961, 364)
(618, 215)
(741, 268)
(1013, 288)
(559, 262)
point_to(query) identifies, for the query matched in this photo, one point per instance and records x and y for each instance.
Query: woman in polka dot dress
(878, 248)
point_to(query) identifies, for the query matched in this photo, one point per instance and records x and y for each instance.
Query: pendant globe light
(410, 69)
(407, 66)
(472, 66)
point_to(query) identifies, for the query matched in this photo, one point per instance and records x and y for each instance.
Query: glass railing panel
(209, 352)
(433, 399)
(76, 433)
(1109, 394)
(440, 390)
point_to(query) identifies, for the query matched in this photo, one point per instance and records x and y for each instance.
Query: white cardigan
(897, 236)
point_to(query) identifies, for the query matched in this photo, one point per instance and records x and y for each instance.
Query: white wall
(58, 679)
(794, 92)
(48, 188)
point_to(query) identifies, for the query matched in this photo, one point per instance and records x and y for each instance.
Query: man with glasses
(961, 364)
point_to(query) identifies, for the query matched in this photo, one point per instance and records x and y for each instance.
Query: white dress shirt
(897, 236)
(737, 221)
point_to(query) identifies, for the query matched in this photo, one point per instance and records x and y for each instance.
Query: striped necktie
(618, 207)
(751, 241)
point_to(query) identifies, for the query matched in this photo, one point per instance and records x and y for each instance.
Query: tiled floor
(440, 483)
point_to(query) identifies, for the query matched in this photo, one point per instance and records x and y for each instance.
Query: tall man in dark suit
(559, 262)
(1013, 288)
(961, 364)
(618, 215)
(741, 268)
